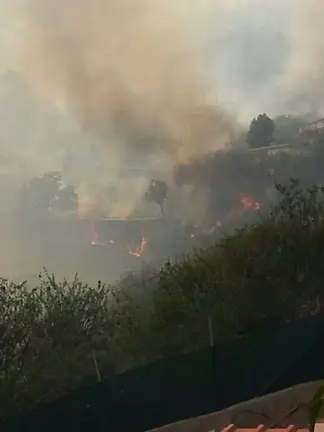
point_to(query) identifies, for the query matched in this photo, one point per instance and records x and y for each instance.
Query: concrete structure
(285, 408)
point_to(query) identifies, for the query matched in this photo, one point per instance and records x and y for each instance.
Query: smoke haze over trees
(99, 99)
(145, 89)
(53, 329)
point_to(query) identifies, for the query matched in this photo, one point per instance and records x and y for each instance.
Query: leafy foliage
(261, 131)
(45, 194)
(66, 200)
(222, 177)
(48, 334)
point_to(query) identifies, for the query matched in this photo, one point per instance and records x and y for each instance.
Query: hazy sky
(243, 43)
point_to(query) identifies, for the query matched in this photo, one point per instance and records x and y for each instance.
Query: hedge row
(269, 271)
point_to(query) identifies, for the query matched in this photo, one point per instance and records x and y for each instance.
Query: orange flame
(200, 231)
(138, 251)
(135, 251)
(96, 240)
(248, 203)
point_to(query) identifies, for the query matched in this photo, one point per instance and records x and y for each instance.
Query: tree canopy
(46, 194)
(261, 131)
(157, 192)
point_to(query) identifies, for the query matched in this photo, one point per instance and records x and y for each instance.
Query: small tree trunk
(162, 208)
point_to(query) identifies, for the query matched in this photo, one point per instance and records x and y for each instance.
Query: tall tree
(157, 193)
(66, 200)
(45, 194)
(38, 196)
(261, 131)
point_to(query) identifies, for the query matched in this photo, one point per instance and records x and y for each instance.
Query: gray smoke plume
(268, 56)
(129, 71)
(145, 80)
(300, 87)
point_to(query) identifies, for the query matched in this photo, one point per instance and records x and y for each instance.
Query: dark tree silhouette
(157, 193)
(66, 200)
(45, 194)
(261, 131)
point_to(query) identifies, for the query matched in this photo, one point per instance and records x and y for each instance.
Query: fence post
(96, 366)
(211, 333)
(211, 341)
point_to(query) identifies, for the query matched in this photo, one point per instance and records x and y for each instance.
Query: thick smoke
(258, 56)
(247, 53)
(130, 73)
(268, 56)
(300, 88)
(145, 80)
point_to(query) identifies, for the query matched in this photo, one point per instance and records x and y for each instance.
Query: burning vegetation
(191, 207)
(100, 241)
(41, 199)
(131, 78)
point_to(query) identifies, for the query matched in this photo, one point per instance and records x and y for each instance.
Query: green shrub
(267, 272)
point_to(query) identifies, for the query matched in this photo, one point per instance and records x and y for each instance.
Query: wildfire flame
(135, 251)
(138, 251)
(96, 240)
(205, 231)
(248, 203)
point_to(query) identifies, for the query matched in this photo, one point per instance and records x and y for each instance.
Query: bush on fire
(267, 272)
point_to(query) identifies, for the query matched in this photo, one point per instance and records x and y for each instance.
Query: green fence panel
(188, 386)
